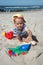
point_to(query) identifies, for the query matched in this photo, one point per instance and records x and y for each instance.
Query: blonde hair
(18, 16)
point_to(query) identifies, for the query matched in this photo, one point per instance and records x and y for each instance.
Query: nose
(19, 24)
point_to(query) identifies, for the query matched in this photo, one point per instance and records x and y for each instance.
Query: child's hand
(25, 40)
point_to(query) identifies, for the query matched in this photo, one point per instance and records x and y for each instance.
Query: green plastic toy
(23, 49)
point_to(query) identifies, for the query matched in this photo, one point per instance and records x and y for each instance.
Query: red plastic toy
(10, 52)
(23, 53)
(9, 35)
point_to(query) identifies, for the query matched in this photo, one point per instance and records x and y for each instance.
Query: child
(21, 31)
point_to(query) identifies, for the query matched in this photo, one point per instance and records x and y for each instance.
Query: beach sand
(34, 20)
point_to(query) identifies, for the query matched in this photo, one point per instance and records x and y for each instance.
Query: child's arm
(29, 37)
(29, 34)
(19, 38)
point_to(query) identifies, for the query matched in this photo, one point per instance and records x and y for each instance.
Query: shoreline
(22, 11)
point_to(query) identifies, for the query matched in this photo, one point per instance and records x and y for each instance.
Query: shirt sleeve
(25, 27)
(15, 30)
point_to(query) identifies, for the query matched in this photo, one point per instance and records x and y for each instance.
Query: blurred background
(20, 5)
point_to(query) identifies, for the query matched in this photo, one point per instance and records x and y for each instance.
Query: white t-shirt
(21, 33)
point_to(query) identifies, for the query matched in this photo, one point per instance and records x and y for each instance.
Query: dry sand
(35, 23)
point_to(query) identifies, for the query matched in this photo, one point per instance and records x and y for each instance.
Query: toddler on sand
(21, 31)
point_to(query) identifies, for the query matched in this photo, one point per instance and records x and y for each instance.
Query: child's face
(19, 23)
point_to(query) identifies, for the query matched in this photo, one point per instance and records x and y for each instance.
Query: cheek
(22, 25)
(17, 26)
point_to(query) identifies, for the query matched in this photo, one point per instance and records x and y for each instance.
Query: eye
(21, 23)
(17, 23)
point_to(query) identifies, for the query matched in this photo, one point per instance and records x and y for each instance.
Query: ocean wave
(20, 8)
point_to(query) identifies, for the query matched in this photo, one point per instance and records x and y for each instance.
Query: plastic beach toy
(23, 49)
(8, 35)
